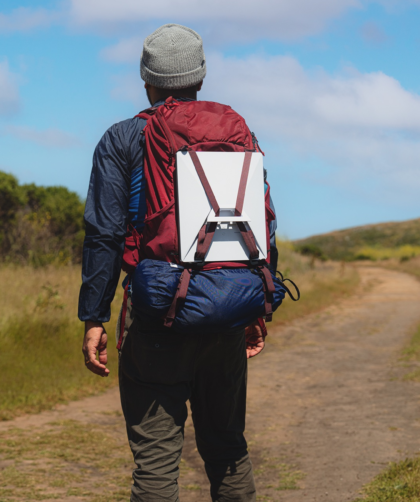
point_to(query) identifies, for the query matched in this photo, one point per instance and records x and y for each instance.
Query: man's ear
(199, 86)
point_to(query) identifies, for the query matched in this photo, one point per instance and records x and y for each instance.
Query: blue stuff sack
(216, 300)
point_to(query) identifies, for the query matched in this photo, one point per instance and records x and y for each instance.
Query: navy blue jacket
(115, 198)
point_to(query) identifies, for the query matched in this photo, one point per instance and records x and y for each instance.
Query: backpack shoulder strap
(147, 113)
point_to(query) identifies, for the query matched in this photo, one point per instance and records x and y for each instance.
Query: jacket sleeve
(106, 223)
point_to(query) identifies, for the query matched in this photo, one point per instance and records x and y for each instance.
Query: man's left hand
(254, 340)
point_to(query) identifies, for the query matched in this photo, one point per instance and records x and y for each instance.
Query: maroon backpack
(185, 125)
(196, 126)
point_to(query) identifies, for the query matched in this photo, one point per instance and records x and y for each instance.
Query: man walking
(162, 368)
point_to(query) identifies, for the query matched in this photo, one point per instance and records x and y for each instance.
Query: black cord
(283, 280)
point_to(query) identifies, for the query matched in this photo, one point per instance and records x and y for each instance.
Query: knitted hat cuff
(174, 81)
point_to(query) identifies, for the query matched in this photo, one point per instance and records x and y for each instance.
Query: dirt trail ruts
(326, 399)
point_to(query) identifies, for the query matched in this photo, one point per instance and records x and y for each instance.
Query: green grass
(41, 362)
(281, 475)
(400, 482)
(289, 477)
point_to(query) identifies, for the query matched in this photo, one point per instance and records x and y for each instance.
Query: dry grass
(23, 287)
(41, 361)
(92, 461)
(321, 283)
(410, 266)
(66, 459)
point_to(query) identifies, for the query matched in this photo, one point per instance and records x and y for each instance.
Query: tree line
(39, 225)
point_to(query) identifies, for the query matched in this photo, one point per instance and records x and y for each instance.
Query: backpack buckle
(199, 264)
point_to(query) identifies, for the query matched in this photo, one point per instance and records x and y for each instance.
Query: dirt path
(327, 407)
(335, 403)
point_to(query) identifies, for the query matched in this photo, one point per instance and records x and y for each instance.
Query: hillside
(379, 241)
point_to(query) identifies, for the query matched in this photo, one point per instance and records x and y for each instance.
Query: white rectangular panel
(223, 171)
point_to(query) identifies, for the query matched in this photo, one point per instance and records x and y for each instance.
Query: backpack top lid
(197, 123)
(224, 173)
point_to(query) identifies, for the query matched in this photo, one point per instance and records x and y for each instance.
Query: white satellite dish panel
(223, 171)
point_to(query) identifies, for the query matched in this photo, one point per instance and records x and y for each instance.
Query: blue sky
(331, 89)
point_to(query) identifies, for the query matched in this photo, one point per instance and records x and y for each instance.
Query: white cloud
(50, 138)
(349, 101)
(217, 19)
(9, 92)
(25, 19)
(360, 125)
(125, 51)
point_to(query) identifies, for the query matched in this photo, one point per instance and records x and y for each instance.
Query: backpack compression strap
(205, 237)
(269, 290)
(179, 298)
(206, 234)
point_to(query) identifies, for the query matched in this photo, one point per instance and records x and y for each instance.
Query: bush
(39, 225)
(311, 250)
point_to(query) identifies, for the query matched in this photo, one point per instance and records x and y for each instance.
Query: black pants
(159, 372)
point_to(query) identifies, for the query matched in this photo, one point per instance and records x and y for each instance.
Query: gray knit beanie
(173, 58)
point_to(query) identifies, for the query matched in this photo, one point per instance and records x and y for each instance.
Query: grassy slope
(347, 244)
(41, 361)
